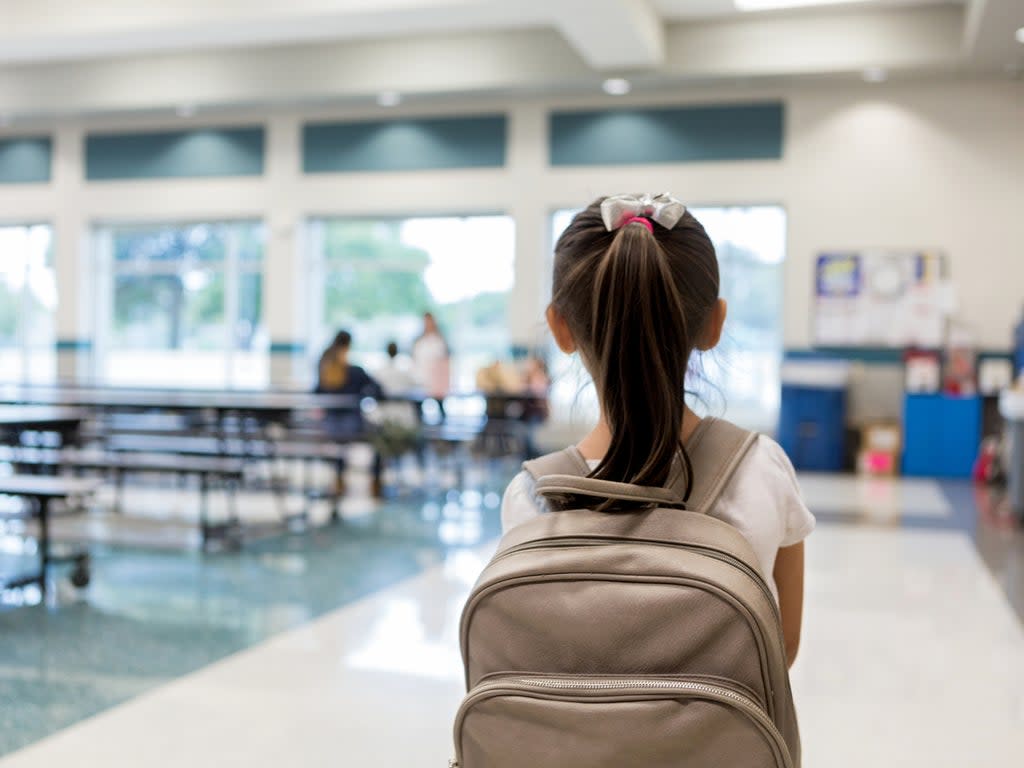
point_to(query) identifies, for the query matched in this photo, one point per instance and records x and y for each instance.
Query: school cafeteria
(517, 384)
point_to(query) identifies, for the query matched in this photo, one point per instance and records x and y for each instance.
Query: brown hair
(637, 302)
(333, 375)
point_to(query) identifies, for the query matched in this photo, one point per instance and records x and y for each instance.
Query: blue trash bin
(941, 435)
(812, 418)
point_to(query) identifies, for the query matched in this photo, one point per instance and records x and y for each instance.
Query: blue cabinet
(812, 427)
(941, 435)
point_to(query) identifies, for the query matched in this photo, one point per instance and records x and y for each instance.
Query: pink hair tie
(640, 220)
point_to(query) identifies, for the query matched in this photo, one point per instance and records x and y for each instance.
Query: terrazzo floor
(340, 647)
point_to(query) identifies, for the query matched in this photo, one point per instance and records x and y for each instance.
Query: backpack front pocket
(530, 721)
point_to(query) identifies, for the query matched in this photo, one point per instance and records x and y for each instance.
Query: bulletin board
(881, 298)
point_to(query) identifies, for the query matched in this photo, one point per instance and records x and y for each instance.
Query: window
(181, 305)
(380, 275)
(741, 378)
(28, 305)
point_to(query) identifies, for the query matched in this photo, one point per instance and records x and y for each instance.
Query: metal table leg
(44, 542)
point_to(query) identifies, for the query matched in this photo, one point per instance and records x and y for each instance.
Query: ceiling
(66, 56)
(680, 10)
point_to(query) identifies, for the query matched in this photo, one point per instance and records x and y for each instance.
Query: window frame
(21, 338)
(106, 270)
(318, 265)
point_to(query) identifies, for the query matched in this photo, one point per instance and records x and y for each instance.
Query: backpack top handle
(573, 485)
(716, 449)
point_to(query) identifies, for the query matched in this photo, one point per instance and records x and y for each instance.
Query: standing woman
(431, 359)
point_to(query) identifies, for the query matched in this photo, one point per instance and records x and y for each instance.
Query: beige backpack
(610, 640)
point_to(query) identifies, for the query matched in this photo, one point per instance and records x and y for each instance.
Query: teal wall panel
(25, 160)
(405, 145)
(287, 348)
(876, 355)
(667, 135)
(74, 345)
(175, 154)
(869, 355)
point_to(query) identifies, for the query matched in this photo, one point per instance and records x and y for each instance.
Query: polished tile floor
(341, 648)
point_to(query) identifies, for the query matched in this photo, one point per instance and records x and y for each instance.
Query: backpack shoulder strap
(716, 451)
(567, 462)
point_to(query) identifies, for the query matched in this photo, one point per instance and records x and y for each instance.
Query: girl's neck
(595, 445)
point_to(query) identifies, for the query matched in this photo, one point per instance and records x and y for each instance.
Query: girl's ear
(713, 328)
(560, 330)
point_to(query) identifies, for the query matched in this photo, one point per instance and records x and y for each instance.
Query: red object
(878, 462)
(984, 467)
(640, 220)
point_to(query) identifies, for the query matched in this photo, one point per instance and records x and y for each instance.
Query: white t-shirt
(430, 363)
(395, 376)
(762, 500)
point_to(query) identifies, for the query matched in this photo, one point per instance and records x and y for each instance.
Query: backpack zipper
(596, 541)
(714, 681)
(712, 692)
(748, 706)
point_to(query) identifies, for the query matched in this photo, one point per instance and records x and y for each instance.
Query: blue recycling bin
(812, 427)
(941, 435)
(812, 417)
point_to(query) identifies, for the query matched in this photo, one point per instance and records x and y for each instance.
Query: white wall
(934, 165)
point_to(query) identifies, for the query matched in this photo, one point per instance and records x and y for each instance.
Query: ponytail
(641, 345)
(636, 300)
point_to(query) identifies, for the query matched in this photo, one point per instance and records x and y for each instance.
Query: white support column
(75, 309)
(527, 159)
(284, 261)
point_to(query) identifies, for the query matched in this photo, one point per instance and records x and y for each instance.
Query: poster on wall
(880, 298)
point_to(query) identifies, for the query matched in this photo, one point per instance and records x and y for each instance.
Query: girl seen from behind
(636, 294)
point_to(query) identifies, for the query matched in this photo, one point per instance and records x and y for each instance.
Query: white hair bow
(663, 209)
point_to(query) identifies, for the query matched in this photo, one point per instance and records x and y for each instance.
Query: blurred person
(537, 380)
(397, 419)
(337, 376)
(536, 387)
(431, 360)
(396, 375)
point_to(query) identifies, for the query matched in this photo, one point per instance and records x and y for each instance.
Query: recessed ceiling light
(389, 98)
(1020, 35)
(617, 86)
(875, 75)
(185, 110)
(771, 5)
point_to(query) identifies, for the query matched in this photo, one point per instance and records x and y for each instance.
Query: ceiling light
(772, 5)
(389, 98)
(617, 86)
(185, 110)
(875, 75)
(1020, 35)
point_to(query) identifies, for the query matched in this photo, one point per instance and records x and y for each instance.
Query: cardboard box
(880, 448)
